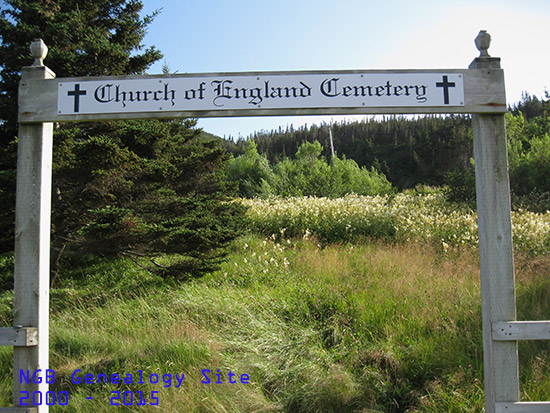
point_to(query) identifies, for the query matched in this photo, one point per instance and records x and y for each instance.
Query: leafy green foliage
(251, 172)
(529, 146)
(407, 150)
(309, 174)
(6, 271)
(461, 185)
(396, 218)
(372, 327)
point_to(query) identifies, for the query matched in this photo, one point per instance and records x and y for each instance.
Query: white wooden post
(32, 238)
(495, 244)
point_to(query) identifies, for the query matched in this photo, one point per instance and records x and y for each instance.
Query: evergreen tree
(138, 188)
(85, 38)
(144, 189)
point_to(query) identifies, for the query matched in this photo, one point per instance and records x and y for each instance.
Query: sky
(214, 36)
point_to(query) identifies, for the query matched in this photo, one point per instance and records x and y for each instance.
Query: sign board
(262, 94)
(352, 90)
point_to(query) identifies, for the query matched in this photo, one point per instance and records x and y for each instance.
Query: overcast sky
(198, 36)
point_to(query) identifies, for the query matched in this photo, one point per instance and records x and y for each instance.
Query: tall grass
(365, 327)
(401, 218)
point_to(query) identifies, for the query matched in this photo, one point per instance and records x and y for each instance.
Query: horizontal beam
(18, 410)
(521, 330)
(523, 407)
(38, 99)
(18, 336)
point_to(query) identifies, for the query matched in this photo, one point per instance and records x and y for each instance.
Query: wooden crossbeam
(521, 330)
(19, 337)
(523, 407)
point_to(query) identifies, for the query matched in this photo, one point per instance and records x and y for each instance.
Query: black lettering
(169, 94)
(329, 87)
(388, 88)
(294, 92)
(266, 90)
(237, 93)
(201, 90)
(222, 90)
(363, 90)
(256, 95)
(305, 90)
(120, 96)
(190, 94)
(103, 94)
(421, 94)
(276, 92)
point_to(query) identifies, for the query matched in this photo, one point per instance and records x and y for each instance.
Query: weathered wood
(32, 243)
(18, 410)
(523, 407)
(24, 337)
(483, 91)
(495, 249)
(521, 330)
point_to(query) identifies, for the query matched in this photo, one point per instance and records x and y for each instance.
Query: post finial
(483, 41)
(39, 50)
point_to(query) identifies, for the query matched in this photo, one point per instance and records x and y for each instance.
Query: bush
(461, 186)
(6, 271)
(251, 173)
(307, 175)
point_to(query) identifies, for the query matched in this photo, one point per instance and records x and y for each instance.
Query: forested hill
(407, 150)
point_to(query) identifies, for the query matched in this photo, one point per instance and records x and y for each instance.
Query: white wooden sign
(350, 92)
(271, 91)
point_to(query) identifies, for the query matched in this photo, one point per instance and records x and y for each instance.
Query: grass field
(369, 326)
(398, 218)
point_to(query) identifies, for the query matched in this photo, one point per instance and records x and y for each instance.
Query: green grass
(365, 327)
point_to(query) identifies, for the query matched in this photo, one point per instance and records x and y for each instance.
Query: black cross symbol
(76, 93)
(445, 85)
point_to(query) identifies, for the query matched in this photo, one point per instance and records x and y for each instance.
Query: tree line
(427, 150)
(407, 150)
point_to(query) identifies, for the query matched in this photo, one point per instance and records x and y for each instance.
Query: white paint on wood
(496, 254)
(24, 337)
(523, 407)
(32, 243)
(521, 330)
(241, 92)
(483, 92)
